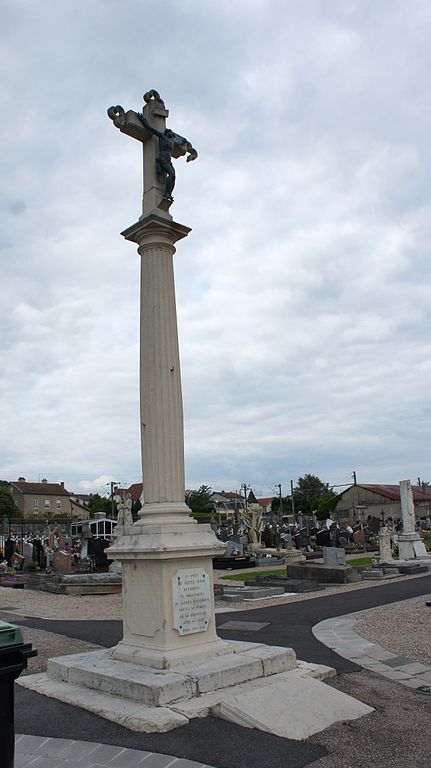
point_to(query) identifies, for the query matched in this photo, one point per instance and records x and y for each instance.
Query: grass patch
(360, 562)
(247, 575)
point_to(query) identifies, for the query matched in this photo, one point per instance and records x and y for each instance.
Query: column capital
(153, 230)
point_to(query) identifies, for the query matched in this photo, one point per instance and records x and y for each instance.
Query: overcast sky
(303, 291)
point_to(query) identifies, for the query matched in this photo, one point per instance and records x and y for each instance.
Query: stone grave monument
(170, 665)
(385, 548)
(334, 556)
(410, 544)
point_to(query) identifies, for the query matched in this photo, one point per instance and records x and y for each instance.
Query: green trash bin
(13, 659)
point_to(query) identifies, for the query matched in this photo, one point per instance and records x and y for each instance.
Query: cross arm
(129, 123)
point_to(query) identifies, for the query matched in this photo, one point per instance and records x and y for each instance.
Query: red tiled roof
(393, 491)
(135, 491)
(44, 489)
(265, 501)
(229, 494)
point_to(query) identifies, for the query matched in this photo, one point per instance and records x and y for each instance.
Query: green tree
(286, 505)
(311, 494)
(8, 507)
(200, 501)
(136, 506)
(328, 502)
(100, 505)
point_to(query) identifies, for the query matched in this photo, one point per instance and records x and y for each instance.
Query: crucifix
(160, 145)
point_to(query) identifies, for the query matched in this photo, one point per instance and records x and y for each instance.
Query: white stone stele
(255, 685)
(410, 544)
(407, 507)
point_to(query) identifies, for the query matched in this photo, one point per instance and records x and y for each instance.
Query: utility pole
(112, 483)
(292, 497)
(246, 488)
(281, 500)
(236, 514)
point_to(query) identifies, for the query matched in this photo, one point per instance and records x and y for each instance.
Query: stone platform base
(324, 574)
(234, 594)
(257, 686)
(76, 583)
(289, 585)
(408, 567)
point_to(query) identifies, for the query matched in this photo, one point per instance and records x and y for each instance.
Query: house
(80, 503)
(360, 501)
(265, 505)
(44, 500)
(136, 491)
(227, 501)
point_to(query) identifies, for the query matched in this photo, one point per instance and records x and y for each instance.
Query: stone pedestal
(168, 604)
(411, 547)
(385, 548)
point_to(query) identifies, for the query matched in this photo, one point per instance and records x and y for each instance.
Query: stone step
(201, 706)
(294, 708)
(155, 687)
(124, 712)
(137, 717)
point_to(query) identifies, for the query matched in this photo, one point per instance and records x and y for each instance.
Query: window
(47, 504)
(58, 504)
(35, 503)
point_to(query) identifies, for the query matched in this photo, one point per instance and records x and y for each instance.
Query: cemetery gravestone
(410, 544)
(334, 556)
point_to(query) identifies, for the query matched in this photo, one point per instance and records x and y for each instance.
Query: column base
(165, 659)
(411, 547)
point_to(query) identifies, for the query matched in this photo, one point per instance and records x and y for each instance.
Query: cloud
(303, 287)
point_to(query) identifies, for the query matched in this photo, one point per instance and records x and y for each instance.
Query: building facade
(359, 502)
(44, 500)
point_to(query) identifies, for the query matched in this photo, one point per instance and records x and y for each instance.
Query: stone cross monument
(166, 556)
(170, 666)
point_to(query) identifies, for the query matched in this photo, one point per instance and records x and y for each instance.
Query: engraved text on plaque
(191, 600)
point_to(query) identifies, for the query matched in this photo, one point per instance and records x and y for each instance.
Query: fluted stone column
(166, 556)
(162, 436)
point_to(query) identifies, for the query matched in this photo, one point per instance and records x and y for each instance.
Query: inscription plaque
(191, 600)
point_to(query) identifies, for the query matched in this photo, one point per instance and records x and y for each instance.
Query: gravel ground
(44, 605)
(48, 645)
(395, 735)
(403, 628)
